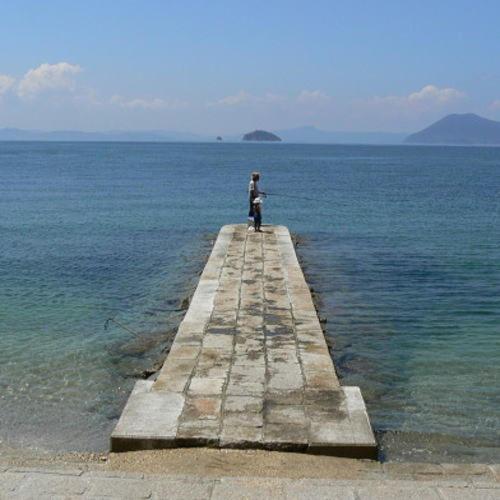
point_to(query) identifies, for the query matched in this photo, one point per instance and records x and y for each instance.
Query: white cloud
(430, 95)
(433, 93)
(6, 83)
(234, 100)
(154, 103)
(48, 77)
(243, 97)
(313, 97)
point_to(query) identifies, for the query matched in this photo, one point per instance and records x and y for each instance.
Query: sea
(100, 243)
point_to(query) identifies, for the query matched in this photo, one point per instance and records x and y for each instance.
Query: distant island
(261, 135)
(460, 129)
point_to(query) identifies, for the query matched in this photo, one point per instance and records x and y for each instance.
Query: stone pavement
(459, 482)
(249, 367)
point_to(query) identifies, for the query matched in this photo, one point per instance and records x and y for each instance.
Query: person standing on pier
(253, 192)
(257, 214)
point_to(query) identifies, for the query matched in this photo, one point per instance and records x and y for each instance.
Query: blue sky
(230, 66)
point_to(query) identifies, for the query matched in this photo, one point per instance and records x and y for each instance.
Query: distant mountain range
(464, 129)
(297, 135)
(15, 134)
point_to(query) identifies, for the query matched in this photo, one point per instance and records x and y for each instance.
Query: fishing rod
(121, 325)
(113, 320)
(151, 312)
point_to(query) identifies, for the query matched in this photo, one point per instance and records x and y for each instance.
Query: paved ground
(394, 481)
(249, 366)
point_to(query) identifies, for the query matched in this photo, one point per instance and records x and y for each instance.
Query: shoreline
(213, 462)
(210, 474)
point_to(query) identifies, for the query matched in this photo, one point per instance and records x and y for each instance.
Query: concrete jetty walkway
(249, 367)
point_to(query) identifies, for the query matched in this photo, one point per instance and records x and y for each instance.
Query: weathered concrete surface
(227, 473)
(249, 367)
(50, 483)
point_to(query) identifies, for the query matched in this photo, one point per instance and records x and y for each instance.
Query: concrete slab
(249, 367)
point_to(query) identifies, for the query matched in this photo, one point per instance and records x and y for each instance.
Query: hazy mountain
(459, 129)
(14, 134)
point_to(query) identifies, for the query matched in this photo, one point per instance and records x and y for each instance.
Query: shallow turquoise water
(402, 244)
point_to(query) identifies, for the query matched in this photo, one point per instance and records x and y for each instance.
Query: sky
(227, 67)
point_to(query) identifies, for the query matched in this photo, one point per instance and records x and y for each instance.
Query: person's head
(255, 176)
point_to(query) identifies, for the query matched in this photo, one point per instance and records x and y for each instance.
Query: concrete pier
(249, 367)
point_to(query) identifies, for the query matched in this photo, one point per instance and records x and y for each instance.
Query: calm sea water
(402, 244)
